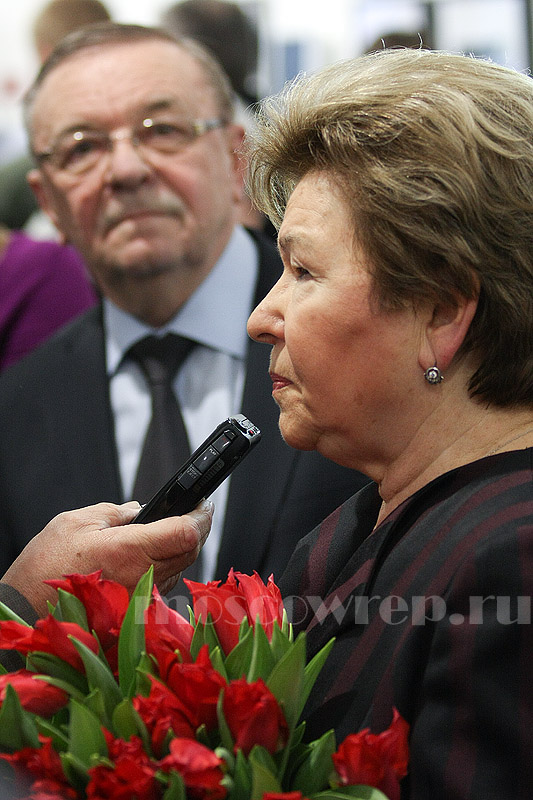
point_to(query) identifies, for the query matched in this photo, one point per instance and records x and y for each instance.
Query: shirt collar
(215, 315)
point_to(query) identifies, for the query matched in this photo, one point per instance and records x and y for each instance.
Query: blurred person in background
(17, 201)
(138, 166)
(43, 285)
(230, 34)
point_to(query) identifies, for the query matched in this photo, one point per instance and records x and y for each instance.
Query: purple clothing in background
(43, 285)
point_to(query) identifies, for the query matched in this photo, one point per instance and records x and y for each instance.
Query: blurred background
(293, 35)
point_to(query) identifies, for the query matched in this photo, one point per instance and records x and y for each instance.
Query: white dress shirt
(209, 384)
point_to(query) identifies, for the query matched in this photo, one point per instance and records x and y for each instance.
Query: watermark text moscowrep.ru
(360, 610)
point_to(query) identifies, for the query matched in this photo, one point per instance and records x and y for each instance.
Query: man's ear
(238, 166)
(37, 183)
(445, 331)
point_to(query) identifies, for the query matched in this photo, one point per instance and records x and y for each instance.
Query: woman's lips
(278, 381)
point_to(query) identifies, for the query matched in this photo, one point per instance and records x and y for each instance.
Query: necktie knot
(161, 357)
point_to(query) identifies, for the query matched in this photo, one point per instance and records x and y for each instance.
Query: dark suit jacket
(57, 450)
(431, 614)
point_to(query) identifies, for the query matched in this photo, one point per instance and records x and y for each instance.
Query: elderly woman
(402, 346)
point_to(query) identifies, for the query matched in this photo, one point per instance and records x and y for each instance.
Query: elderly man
(137, 160)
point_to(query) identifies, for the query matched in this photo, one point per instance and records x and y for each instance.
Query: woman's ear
(445, 332)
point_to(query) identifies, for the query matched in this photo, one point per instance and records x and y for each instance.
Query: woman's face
(345, 373)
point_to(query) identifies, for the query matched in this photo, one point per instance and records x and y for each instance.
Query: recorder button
(189, 477)
(207, 458)
(222, 442)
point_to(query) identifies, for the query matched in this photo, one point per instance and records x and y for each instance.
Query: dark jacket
(432, 615)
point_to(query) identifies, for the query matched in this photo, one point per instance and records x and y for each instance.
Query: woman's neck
(439, 448)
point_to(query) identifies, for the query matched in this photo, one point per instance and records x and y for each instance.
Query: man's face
(138, 214)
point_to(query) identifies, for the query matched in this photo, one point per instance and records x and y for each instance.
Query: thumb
(116, 515)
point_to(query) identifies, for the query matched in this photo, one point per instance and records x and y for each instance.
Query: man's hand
(99, 537)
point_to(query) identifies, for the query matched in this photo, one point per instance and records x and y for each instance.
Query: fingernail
(207, 505)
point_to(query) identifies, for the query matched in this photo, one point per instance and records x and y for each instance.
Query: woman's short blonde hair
(433, 153)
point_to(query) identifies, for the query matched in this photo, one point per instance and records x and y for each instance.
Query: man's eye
(79, 151)
(300, 272)
(167, 129)
(163, 128)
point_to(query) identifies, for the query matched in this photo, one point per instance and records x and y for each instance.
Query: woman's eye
(300, 272)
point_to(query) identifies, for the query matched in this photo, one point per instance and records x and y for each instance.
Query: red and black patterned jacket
(432, 615)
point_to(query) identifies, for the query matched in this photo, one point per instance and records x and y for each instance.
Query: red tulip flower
(378, 760)
(44, 764)
(163, 711)
(166, 632)
(199, 767)
(132, 773)
(48, 636)
(105, 601)
(224, 604)
(229, 603)
(35, 695)
(254, 716)
(198, 687)
(263, 603)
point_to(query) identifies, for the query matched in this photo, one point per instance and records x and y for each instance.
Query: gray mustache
(170, 207)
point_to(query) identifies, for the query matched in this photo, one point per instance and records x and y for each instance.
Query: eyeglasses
(80, 151)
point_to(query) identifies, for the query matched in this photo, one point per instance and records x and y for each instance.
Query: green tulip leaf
(17, 726)
(176, 787)
(226, 739)
(280, 642)
(70, 609)
(131, 642)
(126, 723)
(55, 667)
(218, 663)
(264, 777)
(86, 738)
(58, 737)
(205, 633)
(313, 773)
(286, 681)
(99, 676)
(59, 684)
(94, 701)
(75, 771)
(238, 660)
(226, 755)
(242, 778)
(312, 671)
(286, 626)
(350, 793)
(6, 613)
(145, 668)
(262, 661)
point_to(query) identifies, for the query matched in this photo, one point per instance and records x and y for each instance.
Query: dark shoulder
(54, 352)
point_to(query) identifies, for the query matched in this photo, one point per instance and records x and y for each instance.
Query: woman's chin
(296, 435)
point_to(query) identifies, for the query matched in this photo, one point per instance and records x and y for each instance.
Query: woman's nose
(266, 323)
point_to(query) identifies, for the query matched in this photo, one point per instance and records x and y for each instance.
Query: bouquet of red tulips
(125, 698)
